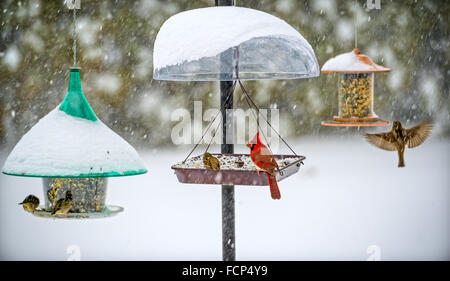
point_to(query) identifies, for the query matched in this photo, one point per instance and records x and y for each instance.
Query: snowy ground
(347, 197)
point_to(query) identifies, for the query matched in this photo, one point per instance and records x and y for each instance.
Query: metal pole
(228, 224)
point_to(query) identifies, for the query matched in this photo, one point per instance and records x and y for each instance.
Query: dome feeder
(229, 44)
(71, 149)
(355, 94)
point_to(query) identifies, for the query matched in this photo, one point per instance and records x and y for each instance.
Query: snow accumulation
(352, 62)
(207, 32)
(67, 146)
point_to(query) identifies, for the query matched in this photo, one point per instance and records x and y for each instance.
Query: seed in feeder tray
(63, 206)
(211, 162)
(239, 163)
(30, 203)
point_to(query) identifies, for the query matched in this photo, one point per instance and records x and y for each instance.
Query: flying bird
(63, 205)
(211, 162)
(30, 203)
(263, 159)
(398, 138)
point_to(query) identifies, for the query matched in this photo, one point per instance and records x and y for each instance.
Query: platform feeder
(230, 44)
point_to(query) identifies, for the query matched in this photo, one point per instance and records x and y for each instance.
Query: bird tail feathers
(274, 190)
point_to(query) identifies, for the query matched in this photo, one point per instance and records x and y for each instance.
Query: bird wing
(264, 159)
(418, 134)
(384, 141)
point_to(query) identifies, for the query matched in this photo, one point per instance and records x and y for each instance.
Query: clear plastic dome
(226, 43)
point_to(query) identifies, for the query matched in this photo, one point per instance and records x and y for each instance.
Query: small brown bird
(52, 195)
(63, 205)
(211, 162)
(30, 203)
(399, 137)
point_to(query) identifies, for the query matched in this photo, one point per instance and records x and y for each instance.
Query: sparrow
(211, 162)
(398, 138)
(63, 205)
(263, 159)
(30, 203)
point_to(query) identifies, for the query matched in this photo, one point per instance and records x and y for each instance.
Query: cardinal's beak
(249, 145)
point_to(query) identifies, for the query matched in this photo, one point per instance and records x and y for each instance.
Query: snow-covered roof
(189, 44)
(352, 62)
(71, 141)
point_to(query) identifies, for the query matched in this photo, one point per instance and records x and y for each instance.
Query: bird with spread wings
(398, 138)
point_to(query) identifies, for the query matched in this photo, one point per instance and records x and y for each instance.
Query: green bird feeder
(71, 149)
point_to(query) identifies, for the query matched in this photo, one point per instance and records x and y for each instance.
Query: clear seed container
(88, 193)
(356, 96)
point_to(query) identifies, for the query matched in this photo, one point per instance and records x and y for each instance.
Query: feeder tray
(235, 169)
(108, 211)
(355, 93)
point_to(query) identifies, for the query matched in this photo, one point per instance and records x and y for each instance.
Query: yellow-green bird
(211, 162)
(63, 205)
(51, 194)
(30, 203)
(398, 138)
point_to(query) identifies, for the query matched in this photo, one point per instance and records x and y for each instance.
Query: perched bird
(399, 137)
(211, 162)
(63, 205)
(263, 159)
(30, 203)
(51, 194)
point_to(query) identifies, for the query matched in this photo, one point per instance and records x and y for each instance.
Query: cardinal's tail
(274, 190)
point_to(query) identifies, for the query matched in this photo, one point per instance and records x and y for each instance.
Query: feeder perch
(71, 149)
(355, 94)
(229, 44)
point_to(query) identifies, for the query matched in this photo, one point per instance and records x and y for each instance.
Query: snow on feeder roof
(71, 142)
(355, 94)
(190, 45)
(352, 62)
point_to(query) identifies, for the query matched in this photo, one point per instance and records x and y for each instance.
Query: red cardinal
(263, 159)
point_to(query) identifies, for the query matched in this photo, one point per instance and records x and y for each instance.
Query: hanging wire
(267, 121)
(74, 47)
(355, 23)
(210, 124)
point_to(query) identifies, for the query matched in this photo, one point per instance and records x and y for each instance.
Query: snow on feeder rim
(355, 94)
(191, 45)
(73, 150)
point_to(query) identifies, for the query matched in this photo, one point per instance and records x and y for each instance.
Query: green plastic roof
(75, 104)
(22, 160)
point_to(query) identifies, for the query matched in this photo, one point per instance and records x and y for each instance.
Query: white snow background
(347, 197)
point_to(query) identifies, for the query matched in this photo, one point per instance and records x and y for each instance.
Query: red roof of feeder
(352, 62)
